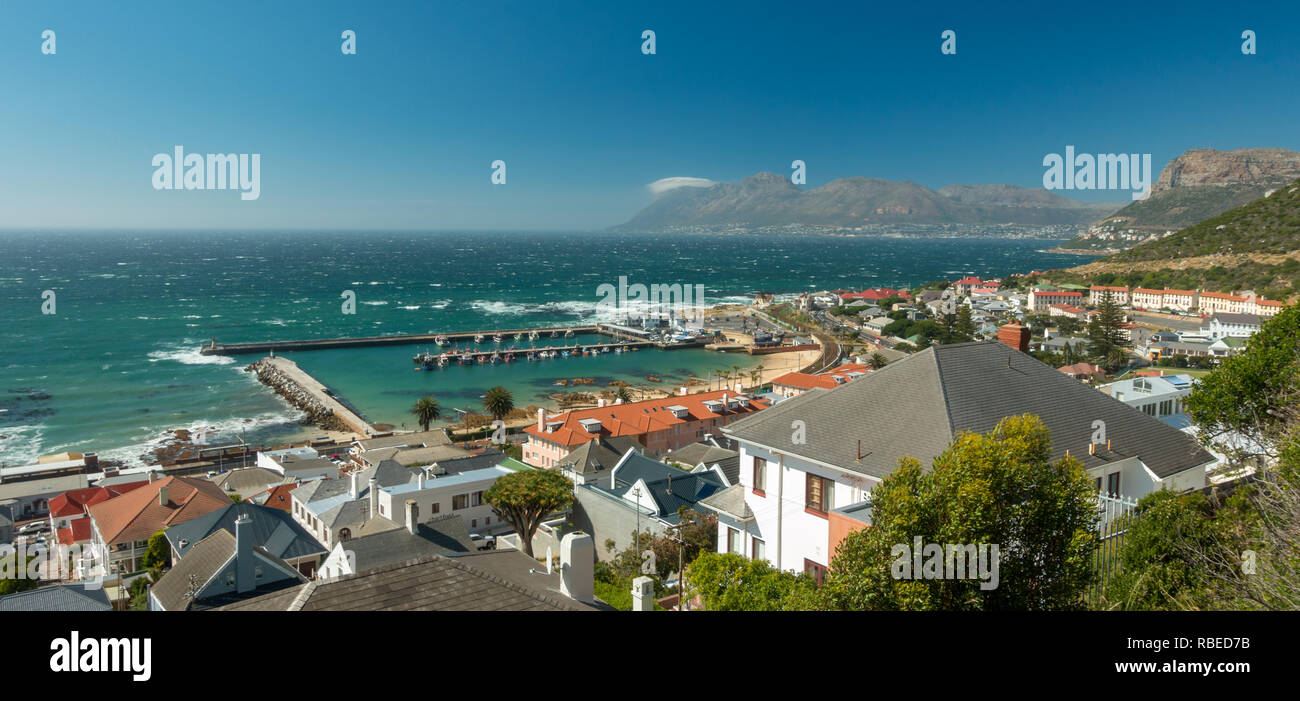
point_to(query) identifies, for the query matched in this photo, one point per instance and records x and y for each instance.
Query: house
(659, 425)
(1145, 298)
(277, 497)
(966, 284)
(877, 295)
(1159, 396)
(71, 505)
(271, 529)
(459, 493)
(1086, 372)
(333, 509)
(250, 480)
(59, 597)
(503, 580)
(30, 498)
(297, 464)
(1230, 345)
(1040, 300)
(1215, 302)
(877, 325)
(384, 542)
(369, 453)
(222, 569)
(640, 494)
(1228, 325)
(1067, 310)
(1179, 300)
(121, 527)
(595, 458)
(791, 483)
(708, 454)
(792, 384)
(1118, 295)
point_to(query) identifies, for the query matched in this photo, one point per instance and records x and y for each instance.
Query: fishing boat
(510, 357)
(532, 336)
(496, 358)
(568, 333)
(441, 340)
(478, 338)
(496, 338)
(519, 336)
(566, 353)
(554, 333)
(442, 360)
(531, 355)
(466, 359)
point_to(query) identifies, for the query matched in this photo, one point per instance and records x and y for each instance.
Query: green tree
(732, 582)
(877, 361)
(158, 554)
(427, 411)
(1154, 572)
(623, 393)
(498, 401)
(999, 488)
(964, 328)
(1106, 334)
(1253, 394)
(524, 498)
(10, 581)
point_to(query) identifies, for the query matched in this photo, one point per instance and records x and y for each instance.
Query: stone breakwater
(271, 374)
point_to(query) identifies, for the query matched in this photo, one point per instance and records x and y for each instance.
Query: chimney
(162, 495)
(541, 420)
(681, 391)
(152, 476)
(1015, 336)
(600, 402)
(353, 491)
(421, 480)
(373, 493)
(577, 567)
(412, 516)
(643, 594)
(92, 461)
(670, 483)
(724, 403)
(244, 554)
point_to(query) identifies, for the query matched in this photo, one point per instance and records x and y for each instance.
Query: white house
(808, 462)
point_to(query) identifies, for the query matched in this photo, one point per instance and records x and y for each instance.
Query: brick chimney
(162, 495)
(541, 420)
(1015, 336)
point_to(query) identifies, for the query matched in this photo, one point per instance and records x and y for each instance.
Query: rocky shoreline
(316, 413)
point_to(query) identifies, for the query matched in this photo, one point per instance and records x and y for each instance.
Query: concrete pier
(306, 393)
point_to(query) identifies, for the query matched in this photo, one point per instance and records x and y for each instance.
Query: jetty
(624, 335)
(305, 392)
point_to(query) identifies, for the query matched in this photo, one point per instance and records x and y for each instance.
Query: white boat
(496, 338)
(478, 338)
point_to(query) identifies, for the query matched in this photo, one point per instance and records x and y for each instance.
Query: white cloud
(663, 185)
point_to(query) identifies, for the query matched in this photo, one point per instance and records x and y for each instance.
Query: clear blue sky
(401, 135)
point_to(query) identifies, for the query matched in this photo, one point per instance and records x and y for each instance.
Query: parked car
(482, 542)
(35, 527)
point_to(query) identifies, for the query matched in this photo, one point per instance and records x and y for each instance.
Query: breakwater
(304, 392)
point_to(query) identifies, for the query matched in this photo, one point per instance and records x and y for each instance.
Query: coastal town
(710, 467)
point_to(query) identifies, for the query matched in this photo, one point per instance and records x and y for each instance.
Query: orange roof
(1143, 290)
(78, 531)
(636, 418)
(138, 514)
(74, 503)
(1066, 308)
(1112, 289)
(1058, 293)
(277, 497)
(1081, 369)
(825, 380)
(1223, 295)
(1180, 292)
(1268, 302)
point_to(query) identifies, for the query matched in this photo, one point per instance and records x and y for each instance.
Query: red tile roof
(1057, 293)
(1222, 295)
(74, 503)
(825, 380)
(138, 514)
(277, 497)
(969, 280)
(78, 531)
(636, 418)
(876, 294)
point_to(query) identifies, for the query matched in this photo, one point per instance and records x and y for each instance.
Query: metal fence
(1117, 514)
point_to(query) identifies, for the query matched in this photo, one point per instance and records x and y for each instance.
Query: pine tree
(1106, 335)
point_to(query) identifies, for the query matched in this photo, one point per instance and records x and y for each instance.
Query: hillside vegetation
(1255, 246)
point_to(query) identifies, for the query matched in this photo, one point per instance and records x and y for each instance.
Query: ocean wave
(20, 445)
(189, 356)
(220, 432)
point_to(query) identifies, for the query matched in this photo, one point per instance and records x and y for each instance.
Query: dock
(521, 353)
(625, 337)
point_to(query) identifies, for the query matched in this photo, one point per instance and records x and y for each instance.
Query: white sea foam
(20, 445)
(189, 355)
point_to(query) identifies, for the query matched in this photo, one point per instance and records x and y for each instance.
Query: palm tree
(735, 372)
(877, 361)
(427, 411)
(623, 393)
(498, 401)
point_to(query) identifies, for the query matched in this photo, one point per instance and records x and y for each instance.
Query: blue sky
(402, 135)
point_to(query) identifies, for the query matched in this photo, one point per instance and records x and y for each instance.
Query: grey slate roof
(727, 460)
(207, 559)
(597, 457)
(422, 439)
(249, 479)
(1234, 318)
(60, 597)
(274, 529)
(729, 501)
(490, 581)
(914, 407)
(490, 457)
(441, 535)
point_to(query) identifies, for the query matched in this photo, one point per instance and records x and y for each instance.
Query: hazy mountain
(1203, 183)
(768, 199)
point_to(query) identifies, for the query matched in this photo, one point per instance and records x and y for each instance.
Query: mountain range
(768, 199)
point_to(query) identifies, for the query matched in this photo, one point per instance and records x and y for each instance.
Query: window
(476, 499)
(435, 507)
(1097, 484)
(757, 550)
(733, 541)
(345, 533)
(760, 475)
(257, 572)
(473, 523)
(819, 494)
(818, 571)
(1112, 483)
(460, 501)
(487, 521)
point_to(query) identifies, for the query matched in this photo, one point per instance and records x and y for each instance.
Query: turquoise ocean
(117, 363)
